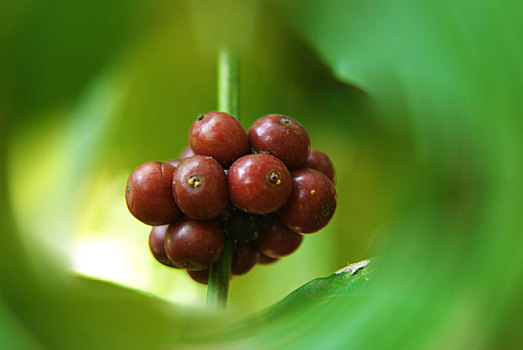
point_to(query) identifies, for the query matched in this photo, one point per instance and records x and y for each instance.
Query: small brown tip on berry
(285, 121)
(274, 178)
(200, 117)
(195, 181)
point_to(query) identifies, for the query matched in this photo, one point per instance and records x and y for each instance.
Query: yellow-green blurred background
(417, 103)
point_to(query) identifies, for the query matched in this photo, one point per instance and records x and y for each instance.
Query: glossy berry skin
(259, 183)
(194, 245)
(157, 244)
(174, 162)
(149, 194)
(276, 240)
(201, 276)
(282, 137)
(311, 204)
(219, 135)
(199, 186)
(321, 162)
(186, 152)
(265, 260)
(244, 259)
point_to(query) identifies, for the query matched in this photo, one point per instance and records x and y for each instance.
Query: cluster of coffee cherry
(262, 189)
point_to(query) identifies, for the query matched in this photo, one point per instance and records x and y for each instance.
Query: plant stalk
(228, 82)
(228, 86)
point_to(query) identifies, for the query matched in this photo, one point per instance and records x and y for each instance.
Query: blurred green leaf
(283, 319)
(444, 76)
(52, 49)
(42, 304)
(429, 169)
(317, 292)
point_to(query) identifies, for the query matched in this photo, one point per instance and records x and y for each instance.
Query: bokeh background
(417, 103)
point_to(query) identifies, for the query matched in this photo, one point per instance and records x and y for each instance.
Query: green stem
(228, 81)
(218, 287)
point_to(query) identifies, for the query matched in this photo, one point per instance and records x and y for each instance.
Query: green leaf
(429, 177)
(283, 320)
(343, 284)
(443, 76)
(52, 50)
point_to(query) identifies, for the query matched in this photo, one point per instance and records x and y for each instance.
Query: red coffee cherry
(174, 162)
(194, 245)
(219, 135)
(201, 276)
(311, 204)
(200, 187)
(265, 260)
(259, 183)
(186, 152)
(157, 244)
(244, 258)
(321, 162)
(276, 240)
(282, 137)
(149, 194)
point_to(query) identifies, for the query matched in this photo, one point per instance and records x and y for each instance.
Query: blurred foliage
(417, 103)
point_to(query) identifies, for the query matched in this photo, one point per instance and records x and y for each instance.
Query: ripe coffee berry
(149, 194)
(259, 183)
(244, 258)
(201, 276)
(219, 135)
(283, 137)
(265, 260)
(200, 187)
(194, 245)
(186, 152)
(276, 240)
(321, 162)
(311, 204)
(157, 244)
(256, 204)
(174, 162)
